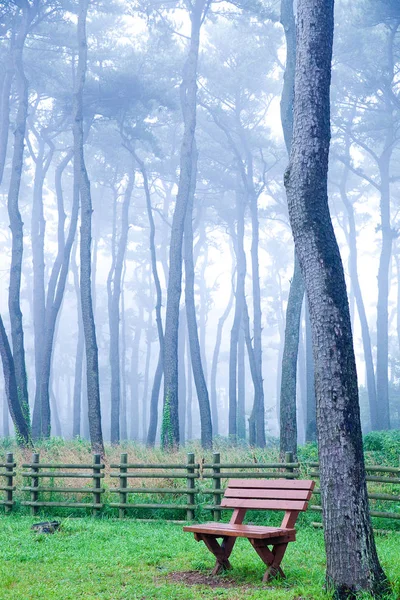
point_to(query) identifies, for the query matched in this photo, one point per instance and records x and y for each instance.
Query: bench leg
(272, 558)
(221, 552)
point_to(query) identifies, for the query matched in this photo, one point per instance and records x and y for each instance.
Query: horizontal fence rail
(36, 489)
(177, 487)
(372, 495)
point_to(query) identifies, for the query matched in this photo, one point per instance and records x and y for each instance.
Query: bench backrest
(268, 494)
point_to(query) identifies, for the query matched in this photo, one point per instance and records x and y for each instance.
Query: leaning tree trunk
(352, 562)
(22, 429)
(170, 425)
(80, 174)
(16, 225)
(288, 415)
(194, 344)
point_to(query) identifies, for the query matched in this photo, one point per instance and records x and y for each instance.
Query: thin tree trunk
(79, 357)
(123, 416)
(114, 294)
(194, 344)
(352, 562)
(182, 376)
(6, 423)
(288, 411)
(135, 378)
(80, 174)
(353, 268)
(38, 227)
(214, 365)
(5, 108)
(288, 418)
(189, 397)
(170, 429)
(149, 342)
(241, 379)
(237, 319)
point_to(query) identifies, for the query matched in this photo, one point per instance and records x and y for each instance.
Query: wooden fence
(42, 471)
(184, 485)
(372, 481)
(7, 476)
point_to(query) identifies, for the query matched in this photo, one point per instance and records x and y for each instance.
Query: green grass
(105, 559)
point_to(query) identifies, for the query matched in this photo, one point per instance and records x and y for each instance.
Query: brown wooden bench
(261, 494)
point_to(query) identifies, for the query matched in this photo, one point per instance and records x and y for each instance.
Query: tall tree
(80, 174)
(170, 429)
(352, 562)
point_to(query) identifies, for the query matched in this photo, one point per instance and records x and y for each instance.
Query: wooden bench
(292, 496)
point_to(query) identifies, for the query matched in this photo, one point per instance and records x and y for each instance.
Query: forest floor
(107, 559)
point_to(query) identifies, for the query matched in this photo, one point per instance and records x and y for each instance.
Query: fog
(157, 163)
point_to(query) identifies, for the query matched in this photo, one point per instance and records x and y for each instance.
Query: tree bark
(182, 376)
(22, 429)
(5, 108)
(288, 417)
(80, 174)
(288, 410)
(352, 562)
(241, 379)
(170, 426)
(134, 430)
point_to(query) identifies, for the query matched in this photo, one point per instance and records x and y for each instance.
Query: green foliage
(384, 446)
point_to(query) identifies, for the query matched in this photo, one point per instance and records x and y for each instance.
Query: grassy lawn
(114, 560)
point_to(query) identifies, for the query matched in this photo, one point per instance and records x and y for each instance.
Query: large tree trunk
(311, 415)
(170, 429)
(16, 225)
(194, 344)
(352, 562)
(80, 174)
(214, 365)
(79, 357)
(288, 419)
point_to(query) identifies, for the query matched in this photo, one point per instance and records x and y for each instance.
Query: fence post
(9, 482)
(123, 484)
(216, 484)
(190, 486)
(34, 483)
(289, 459)
(96, 483)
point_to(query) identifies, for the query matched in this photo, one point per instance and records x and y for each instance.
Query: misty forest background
(93, 156)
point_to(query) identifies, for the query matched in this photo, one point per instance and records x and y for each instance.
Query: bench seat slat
(250, 503)
(247, 531)
(274, 484)
(272, 494)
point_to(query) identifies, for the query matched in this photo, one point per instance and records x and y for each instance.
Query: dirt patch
(199, 578)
